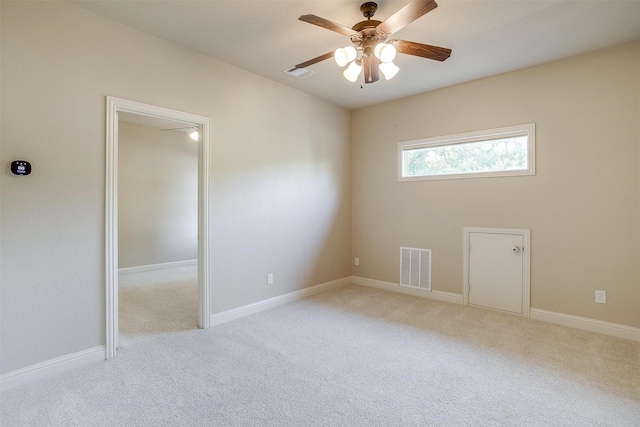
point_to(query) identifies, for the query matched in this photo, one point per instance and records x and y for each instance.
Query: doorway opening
(157, 227)
(148, 113)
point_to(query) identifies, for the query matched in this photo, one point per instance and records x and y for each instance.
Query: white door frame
(115, 106)
(526, 262)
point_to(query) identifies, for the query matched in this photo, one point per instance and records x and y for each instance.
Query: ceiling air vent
(301, 73)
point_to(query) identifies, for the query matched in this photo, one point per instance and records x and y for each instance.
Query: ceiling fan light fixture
(385, 52)
(370, 40)
(389, 70)
(344, 55)
(353, 71)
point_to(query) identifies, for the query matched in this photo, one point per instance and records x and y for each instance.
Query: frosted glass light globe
(353, 71)
(344, 55)
(385, 52)
(389, 69)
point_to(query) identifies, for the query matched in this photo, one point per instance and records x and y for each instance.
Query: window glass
(496, 152)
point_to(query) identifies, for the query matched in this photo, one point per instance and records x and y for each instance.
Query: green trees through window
(498, 152)
(487, 156)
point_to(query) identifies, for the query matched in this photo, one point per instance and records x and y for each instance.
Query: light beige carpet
(350, 357)
(153, 303)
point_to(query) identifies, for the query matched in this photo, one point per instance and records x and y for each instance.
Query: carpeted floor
(350, 357)
(153, 303)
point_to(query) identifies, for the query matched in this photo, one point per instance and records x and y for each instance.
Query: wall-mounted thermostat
(20, 167)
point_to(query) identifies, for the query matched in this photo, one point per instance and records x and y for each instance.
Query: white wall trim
(49, 368)
(584, 323)
(161, 266)
(256, 307)
(587, 324)
(115, 106)
(395, 287)
(59, 365)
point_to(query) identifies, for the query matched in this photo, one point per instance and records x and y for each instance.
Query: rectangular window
(496, 152)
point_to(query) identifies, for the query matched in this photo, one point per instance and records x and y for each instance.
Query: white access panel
(497, 270)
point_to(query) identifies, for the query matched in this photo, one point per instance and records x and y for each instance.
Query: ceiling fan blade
(314, 60)
(422, 50)
(329, 25)
(409, 13)
(371, 70)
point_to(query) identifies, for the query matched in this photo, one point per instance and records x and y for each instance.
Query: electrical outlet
(356, 261)
(270, 279)
(601, 297)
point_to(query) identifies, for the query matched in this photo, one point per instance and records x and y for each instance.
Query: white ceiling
(487, 37)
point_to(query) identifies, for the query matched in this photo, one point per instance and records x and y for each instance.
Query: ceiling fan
(370, 49)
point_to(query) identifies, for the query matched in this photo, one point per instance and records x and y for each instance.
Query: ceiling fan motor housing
(370, 39)
(368, 35)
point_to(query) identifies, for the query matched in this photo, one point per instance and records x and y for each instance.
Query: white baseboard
(42, 370)
(586, 324)
(49, 368)
(162, 266)
(379, 284)
(256, 307)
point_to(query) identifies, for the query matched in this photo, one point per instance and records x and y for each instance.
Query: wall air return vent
(415, 268)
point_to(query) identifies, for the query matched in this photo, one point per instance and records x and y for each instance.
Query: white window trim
(463, 138)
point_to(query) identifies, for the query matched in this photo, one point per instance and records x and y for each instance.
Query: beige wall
(280, 185)
(157, 195)
(282, 167)
(582, 206)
